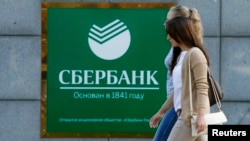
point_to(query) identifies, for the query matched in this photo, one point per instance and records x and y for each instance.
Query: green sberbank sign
(105, 72)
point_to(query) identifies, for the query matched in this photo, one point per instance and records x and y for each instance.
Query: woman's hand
(153, 123)
(201, 122)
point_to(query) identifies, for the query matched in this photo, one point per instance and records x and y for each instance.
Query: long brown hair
(193, 14)
(182, 30)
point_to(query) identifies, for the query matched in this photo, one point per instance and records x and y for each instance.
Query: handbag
(216, 118)
(210, 118)
(213, 87)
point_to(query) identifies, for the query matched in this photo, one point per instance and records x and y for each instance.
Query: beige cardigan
(199, 82)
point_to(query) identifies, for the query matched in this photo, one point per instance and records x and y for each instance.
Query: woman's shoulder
(196, 54)
(195, 51)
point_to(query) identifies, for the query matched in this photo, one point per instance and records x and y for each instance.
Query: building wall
(227, 38)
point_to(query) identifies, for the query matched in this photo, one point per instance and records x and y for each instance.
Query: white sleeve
(167, 61)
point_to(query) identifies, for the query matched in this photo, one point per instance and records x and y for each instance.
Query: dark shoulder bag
(214, 87)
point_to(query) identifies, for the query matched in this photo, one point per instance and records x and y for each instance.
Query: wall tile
(209, 12)
(235, 68)
(20, 66)
(235, 19)
(20, 17)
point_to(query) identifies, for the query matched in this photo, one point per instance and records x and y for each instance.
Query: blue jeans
(166, 125)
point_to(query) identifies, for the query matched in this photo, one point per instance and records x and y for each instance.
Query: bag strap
(190, 87)
(218, 103)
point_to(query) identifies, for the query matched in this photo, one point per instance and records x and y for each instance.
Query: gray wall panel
(20, 66)
(20, 17)
(212, 45)
(235, 18)
(94, 0)
(210, 14)
(144, 1)
(62, 0)
(19, 120)
(235, 68)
